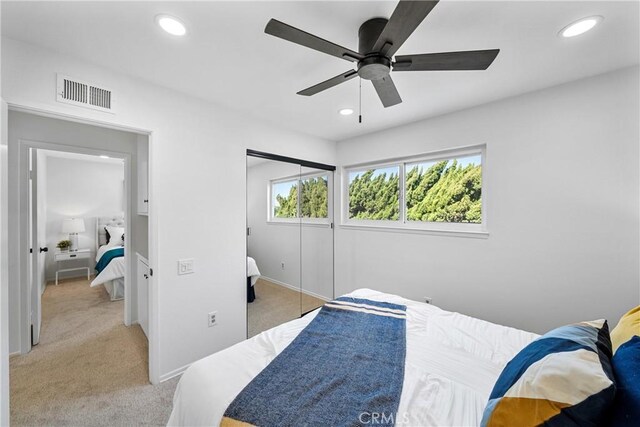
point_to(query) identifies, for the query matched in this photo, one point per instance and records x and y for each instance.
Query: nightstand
(61, 257)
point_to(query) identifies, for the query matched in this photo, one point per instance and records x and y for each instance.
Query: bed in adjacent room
(446, 367)
(110, 259)
(253, 274)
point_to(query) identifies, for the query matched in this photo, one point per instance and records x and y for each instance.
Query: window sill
(299, 223)
(415, 230)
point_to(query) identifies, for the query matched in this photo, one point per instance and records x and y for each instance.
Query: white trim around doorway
(154, 367)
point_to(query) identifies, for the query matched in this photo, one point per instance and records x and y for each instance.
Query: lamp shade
(73, 225)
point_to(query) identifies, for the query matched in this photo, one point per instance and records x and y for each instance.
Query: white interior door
(37, 251)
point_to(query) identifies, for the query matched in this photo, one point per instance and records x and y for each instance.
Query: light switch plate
(185, 266)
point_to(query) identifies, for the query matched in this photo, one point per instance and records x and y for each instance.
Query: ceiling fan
(378, 41)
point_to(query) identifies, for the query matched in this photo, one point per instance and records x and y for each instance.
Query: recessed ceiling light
(581, 26)
(171, 25)
(104, 157)
(346, 111)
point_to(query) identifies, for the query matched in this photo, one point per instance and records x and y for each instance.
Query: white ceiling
(227, 59)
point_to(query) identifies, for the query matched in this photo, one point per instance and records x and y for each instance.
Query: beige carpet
(89, 369)
(275, 304)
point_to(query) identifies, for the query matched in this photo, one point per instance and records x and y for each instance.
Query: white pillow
(116, 235)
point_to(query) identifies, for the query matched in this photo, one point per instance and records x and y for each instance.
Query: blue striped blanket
(106, 258)
(346, 368)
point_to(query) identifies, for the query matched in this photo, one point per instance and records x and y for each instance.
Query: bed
(253, 274)
(111, 275)
(452, 363)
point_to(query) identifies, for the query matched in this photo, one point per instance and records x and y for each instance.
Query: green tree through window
(314, 198)
(434, 191)
(314, 201)
(374, 194)
(286, 205)
(445, 191)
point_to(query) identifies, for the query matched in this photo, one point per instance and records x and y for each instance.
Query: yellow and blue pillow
(562, 378)
(627, 327)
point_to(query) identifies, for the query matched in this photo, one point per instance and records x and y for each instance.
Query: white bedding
(451, 366)
(114, 270)
(252, 270)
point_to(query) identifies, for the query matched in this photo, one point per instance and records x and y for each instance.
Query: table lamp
(73, 226)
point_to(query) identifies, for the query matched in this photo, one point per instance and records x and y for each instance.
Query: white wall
(197, 199)
(4, 264)
(80, 189)
(306, 250)
(561, 176)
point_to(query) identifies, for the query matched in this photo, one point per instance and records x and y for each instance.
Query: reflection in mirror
(289, 242)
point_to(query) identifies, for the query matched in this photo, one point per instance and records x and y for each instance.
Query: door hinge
(30, 250)
(30, 174)
(248, 231)
(151, 272)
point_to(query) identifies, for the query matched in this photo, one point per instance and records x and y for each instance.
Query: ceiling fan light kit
(378, 41)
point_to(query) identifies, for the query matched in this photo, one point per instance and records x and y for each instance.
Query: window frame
(298, 178)
(402, 224)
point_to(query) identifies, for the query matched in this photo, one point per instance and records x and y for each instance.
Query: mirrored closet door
(289, 239)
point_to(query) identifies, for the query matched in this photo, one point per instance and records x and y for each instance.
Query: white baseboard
(174, 373)
(296, 288)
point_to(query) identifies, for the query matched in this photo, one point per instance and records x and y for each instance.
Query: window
(374, 193)
(441, 192)
(305, 197)
(314, 202)
(284, 199)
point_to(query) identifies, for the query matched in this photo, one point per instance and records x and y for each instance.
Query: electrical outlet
(428, 300)
(282, 265)
(212, 319)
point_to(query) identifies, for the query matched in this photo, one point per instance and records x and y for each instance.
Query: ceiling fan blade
(292, 34)
(446, 61)
(334, 81)
(387, 91)
(403, 22)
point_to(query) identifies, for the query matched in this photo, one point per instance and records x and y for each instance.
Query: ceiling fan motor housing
(374, 66)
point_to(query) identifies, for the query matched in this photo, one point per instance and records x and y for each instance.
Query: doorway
(76, 205)
(290, 241)
(30, 136)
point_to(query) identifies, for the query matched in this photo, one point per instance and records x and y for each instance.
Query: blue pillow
(563, 378)
(626, 368)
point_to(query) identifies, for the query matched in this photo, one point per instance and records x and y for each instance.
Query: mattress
(114, 270)
(252, 270)
(451, 365)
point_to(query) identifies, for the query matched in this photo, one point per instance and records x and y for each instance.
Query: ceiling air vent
(83, 94)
